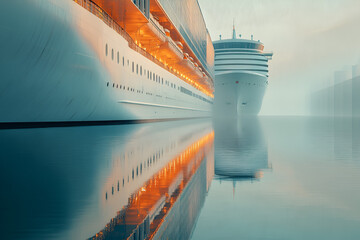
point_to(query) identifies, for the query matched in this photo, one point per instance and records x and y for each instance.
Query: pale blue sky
(310, 40)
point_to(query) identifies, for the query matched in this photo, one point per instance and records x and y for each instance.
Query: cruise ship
(241, 76)
(82, 61)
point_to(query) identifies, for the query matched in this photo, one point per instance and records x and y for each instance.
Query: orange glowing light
(148, 39)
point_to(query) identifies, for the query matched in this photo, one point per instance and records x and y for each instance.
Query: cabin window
(112, 54)
(132, 66)
(137, 68)
(106, 49)
(118, 58)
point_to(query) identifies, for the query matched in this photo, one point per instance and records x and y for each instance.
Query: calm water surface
(267, 178)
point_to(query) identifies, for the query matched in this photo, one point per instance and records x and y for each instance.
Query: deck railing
(108, 20)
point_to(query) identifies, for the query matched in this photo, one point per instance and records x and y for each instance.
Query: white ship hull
(239, 93)
(54, 68)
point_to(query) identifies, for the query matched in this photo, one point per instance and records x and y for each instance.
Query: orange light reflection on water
(158, 194)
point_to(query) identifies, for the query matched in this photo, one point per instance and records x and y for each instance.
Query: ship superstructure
(241, 76)
(97, 60)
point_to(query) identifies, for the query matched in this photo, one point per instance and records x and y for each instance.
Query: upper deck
(238, 44)
(151, 29)
(241, 55)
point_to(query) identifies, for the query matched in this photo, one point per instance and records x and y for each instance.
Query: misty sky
(310, 39)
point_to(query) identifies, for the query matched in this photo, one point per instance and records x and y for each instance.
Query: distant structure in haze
(341, 98)
(241, 76)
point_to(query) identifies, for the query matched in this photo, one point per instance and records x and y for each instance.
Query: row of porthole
(150, 75)
(122, 87)
(147, 93)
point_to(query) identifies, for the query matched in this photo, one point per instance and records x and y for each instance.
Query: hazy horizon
(310, 40)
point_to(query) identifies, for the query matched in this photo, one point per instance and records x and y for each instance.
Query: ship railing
(108, 20)
(161, 30)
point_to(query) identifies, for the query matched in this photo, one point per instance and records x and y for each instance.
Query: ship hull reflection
(240, 148)
(68, 183)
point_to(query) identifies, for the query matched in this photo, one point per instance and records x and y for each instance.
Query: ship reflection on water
(177, 180)
(111, 182)
(240, 149)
